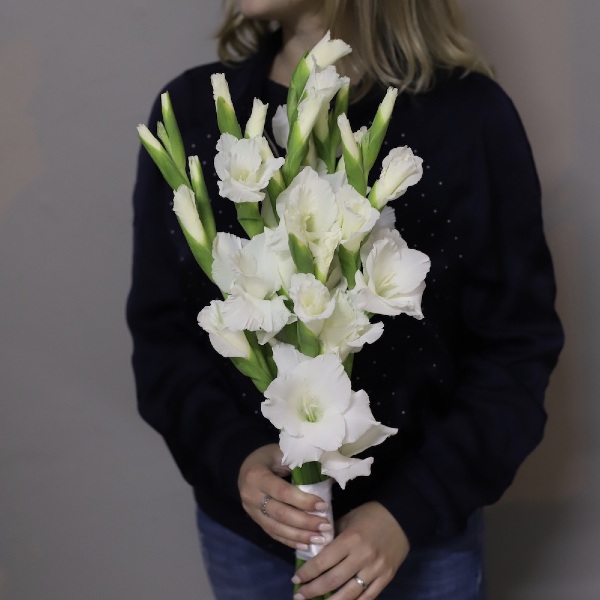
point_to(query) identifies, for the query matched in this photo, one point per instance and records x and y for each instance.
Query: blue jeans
(239, 570)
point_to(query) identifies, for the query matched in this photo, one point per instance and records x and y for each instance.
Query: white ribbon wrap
(323, 490)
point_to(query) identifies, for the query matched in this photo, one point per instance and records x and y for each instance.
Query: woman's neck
(297, 39)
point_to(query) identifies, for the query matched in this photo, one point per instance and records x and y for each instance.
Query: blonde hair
(395, 42)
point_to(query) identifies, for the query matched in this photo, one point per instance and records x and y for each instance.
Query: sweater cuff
(243, 442)
(415, 515)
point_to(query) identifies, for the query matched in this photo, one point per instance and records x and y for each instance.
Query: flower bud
(226, 118)
(256, 123)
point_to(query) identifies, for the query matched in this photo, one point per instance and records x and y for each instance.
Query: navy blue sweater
(465, 386)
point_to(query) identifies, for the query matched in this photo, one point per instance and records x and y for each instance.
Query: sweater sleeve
(510, 337)
(184, 388)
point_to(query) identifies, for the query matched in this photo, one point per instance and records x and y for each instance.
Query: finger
(290, 544)
(353, 589)
(289, 494)
(330, 580)
(292, 535)
(333, 554)
(360, 585)
(294, 517)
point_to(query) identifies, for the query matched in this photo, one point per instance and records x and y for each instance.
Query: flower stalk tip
(373, 140)
(256, 123)
(175, 148)
(171, 173)
(226, 117)
(202, 200)
(352, 156)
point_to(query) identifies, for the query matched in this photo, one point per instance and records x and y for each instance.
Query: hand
(261, 476)
(370, 545)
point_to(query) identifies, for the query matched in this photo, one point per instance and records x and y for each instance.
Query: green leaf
(309, 342)
(302, 256)
(374, 138)
(163, 136)
(297, 150)
(355, 173)
(202, 200)
(176, 150)
(348, 362)
(172, 175)
(275, 187)
(289, 335)
(260, 378)
(298, 82)
(350, 263)
(227, 120)
(202, 254)
(248, 214)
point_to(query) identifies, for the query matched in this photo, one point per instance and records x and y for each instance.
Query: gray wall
(91, 505)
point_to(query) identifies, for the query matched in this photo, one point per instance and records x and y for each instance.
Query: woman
(464, 386)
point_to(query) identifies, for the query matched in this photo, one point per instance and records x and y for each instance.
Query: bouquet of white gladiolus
(322, 256)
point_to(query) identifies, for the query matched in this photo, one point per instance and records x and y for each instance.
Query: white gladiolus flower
(312, 300)
(358, 217)
(325, 84)
(248, 271)
(266, 316)
(244, 168)
(311, 401)
(310, 213)
(348, 328)
(281, 126)
(399, 170)
(184, 206)
(327, 51)
(340, 465)
(392, 281)
(320, 417)
(321, 87)
(226, 342)
(246, 263)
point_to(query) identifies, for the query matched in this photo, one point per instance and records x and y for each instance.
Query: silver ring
(360, 582)
(263, 505)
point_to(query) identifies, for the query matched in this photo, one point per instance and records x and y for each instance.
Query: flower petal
(376, 434)
(244, 311)
(227, 343)
(343, 468)
(297, 450)
(287, 358)
(359, 417)
(225, 250)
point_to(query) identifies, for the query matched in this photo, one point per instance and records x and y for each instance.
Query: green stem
(308, 473)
